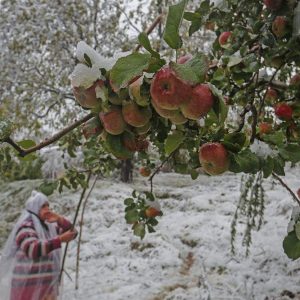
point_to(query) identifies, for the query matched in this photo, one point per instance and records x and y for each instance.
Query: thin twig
(126, 16)
(159, 167)
(286, 186)
(80, 232)
(150, 29)
(73, 224)
(46, 142)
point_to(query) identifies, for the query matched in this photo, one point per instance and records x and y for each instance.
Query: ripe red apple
(283, 111)
(113, 121)
(295, 81)
(271, 95)
(264, 128)
(87, 97)
(273, 4)
(145, 171)
(91, 128)
(214, 158)
(152, 212)
(168, 91)
(224, 38)
(134, 115)
(200, 102)
(279, 26)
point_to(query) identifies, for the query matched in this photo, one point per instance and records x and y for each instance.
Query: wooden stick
(73, 224)
(80, 233)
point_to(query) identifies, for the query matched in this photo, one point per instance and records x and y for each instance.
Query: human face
(44, 211)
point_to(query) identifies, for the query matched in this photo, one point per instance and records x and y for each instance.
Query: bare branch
(286, 186)
(150, 29)
(46, 142)
(159, 168)
(126, 16)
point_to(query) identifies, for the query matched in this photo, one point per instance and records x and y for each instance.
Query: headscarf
(44, 231)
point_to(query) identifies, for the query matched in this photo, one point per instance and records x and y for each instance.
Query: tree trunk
(126, 170)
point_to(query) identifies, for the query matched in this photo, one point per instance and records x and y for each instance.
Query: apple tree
(234, 108)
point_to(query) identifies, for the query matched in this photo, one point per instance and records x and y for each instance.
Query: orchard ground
(189, 257)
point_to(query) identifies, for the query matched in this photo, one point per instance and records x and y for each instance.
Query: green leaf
(278, 166)
(219, 105)
(150, 228)
(267, 166)
(115, 146)
(192, 16)
(6, 129)
(132, 216)
(87, 60)
(128, 201)
(174, 19)
(127, 68)
(26, 144)
(276, 138)
(194, 70)
(173, 141)
(234, 60)
(291, 245)
(245, 161)
(297, 230)
(144, 41)
(194, 174)
(48, 188)
(139, 230)
(291, 152)
(237, 138)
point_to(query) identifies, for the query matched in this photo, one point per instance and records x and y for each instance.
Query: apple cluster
(122, 123)
(178, 100)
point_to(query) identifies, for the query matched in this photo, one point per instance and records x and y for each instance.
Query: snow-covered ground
(189, 257)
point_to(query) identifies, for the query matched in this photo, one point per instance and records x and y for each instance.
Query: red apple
(91, 128)
(145, 171)
(295, 81)
(168, 91)
(272, 4)
(265, 128)
(113, 121)
(152, 212)
(135, 115)
(271, 95)
(200, 103)
(283, 111)
(224, 38)
(87, 97)
(279, 26)
(214, 158)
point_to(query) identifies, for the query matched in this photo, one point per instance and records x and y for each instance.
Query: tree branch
(286, 186)
(46, 142)
(150, 29)
(159, 167)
